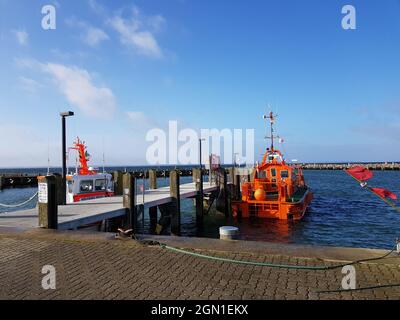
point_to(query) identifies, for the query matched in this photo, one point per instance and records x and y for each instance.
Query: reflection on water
(341, 214)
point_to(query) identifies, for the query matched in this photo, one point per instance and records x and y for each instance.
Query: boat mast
(271, 118)
(271, 121)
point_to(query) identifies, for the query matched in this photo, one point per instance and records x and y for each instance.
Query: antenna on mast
(271, 118)
(48, 156)
(103, 157)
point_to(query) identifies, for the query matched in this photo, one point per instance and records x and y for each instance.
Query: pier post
(225, 186)
(152, 179)
(235, 180)
(118, 183)
(175, 205)
(1, 182)
(129, 199)
(47, 202)
(198, 180)
(61, 198)
(237, 186)
(153, 210)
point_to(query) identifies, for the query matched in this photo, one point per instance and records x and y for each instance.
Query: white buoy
(228, 233)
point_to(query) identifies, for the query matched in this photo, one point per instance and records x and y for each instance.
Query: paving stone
(99, 269)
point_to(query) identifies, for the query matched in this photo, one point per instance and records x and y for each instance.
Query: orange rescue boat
(277, 189)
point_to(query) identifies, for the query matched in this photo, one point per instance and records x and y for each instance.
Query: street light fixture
(64, 154)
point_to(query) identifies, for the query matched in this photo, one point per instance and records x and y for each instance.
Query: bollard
(228, 233)
(175, 205)
(129, 199)
(47, 202)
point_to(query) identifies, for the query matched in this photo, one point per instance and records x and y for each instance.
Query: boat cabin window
(86, 186)
(100, 184)
(262, 174)
(284, 174)
(273, 172)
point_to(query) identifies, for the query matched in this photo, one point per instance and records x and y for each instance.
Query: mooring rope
(19, 204)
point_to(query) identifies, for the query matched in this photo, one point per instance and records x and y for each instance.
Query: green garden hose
(272, 265)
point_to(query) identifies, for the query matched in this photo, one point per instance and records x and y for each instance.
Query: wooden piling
(198, 179)
(118, 183)
(226, 194)
(237, 187)
(153, 211)
(47, 202)
(153, 179)
(129, 199)
(1, 182)
(175, 205)
(61, 197)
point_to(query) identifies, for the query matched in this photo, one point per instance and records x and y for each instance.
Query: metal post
(64, 154)
(64, 160)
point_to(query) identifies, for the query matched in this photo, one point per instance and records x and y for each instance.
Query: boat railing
(273, 190)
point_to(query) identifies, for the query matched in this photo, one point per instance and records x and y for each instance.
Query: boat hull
(284, 210)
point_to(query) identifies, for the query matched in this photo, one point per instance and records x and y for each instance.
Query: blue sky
(125, 67)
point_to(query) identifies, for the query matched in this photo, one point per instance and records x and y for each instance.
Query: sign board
(42, 192)
(214, 162)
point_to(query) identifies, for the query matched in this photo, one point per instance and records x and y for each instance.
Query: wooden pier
(75, 215)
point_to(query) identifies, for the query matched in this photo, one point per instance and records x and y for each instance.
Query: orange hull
(272, 209)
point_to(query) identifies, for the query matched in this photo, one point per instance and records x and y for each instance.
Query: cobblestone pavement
(115, 269)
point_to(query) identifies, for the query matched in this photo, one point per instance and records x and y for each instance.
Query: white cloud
(29, 85)
(77, 86)
(94, 36)
(138, 32)
(90, 35)
(29, 147)
(22, 37)
(140, 121)
(97, 7)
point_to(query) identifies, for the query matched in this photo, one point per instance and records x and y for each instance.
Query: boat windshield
(274, 156)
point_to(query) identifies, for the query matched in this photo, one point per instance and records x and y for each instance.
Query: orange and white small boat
(277, 190)
(87, 183)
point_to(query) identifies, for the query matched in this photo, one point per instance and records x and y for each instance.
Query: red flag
(384, 193)
(360, 173)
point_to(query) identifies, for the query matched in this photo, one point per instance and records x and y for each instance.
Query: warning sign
(42, 192)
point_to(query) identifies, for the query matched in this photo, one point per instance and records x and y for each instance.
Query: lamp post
(64, 154)
(201, 166)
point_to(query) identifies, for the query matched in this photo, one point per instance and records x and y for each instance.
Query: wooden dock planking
(78, 214)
